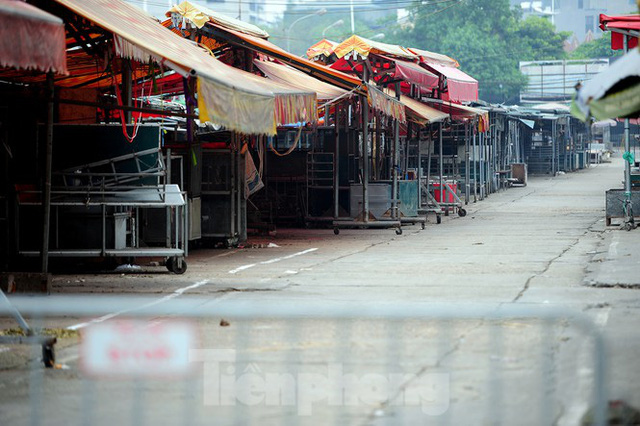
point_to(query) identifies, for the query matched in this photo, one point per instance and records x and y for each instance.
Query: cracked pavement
(540, 246)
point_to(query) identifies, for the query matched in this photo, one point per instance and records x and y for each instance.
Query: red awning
(415, 74)
(31, 39)
(620, 26)
(460, 86)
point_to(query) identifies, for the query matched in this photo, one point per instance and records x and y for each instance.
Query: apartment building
(577, 16)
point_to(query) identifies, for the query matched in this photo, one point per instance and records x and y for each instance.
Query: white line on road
(241, 268)
(268, 262)
(166, 298)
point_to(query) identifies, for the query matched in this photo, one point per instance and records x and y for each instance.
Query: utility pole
(353, 20)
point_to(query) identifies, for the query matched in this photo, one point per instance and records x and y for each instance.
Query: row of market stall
(100, 161)
(615, 94)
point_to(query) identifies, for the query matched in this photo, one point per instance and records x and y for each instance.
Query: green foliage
(488, 38)
(540, 41)
(598, 48)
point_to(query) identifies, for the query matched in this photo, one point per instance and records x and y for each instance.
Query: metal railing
(191, 360)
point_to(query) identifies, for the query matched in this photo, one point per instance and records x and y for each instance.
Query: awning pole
(467, 164)
(628, 204)
(419, 169)
(364, 104)
(441, 164)
(365, 157)
(475, 163)
(553, 148)
(482, 165)
(127, 88)
(396, 154)
(46, 196)
(336, 165)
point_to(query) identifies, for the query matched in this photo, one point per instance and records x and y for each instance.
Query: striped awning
(384, 103)
(230, 97)
(290, 76)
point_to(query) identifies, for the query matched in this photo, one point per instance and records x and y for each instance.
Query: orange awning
(323, 47)
(363, 46)
(227, 96)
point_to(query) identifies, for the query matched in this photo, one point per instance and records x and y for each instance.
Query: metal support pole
(481, 166)
(336, 166)
(239, 190)
(467, 165)
(232, 186)
(168, 209)
(628, 204)
(429, 164)
(553, 148)
(440, 164)
(396, 154)
(419, 171)
(46, 196)
(127, 88)
(475, 170)
(365, 157)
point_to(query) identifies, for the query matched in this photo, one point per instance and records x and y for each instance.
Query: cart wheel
(179, 270)
(438, 219)
(169, 264)
(336, 231)
(462, 212)
(446, 211)
(49, 354)
(398, 231)
(423, 225)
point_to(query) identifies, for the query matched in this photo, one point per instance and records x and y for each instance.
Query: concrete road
(532, 261)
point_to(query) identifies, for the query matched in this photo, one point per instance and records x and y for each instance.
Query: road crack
(549, 263)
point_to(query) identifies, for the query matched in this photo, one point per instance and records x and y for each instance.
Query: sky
(157, 8)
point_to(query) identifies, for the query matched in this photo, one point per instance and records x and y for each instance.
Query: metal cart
(98, 211)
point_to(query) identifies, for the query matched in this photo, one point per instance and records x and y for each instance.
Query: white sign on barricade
(137, 348)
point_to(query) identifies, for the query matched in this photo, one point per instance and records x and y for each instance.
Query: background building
(555, 81)
(577, 16)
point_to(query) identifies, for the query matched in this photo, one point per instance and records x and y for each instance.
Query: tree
(487, 37)
(598, 48)
(540, 41)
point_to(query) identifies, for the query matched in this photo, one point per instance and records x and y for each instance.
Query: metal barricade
(191, 360)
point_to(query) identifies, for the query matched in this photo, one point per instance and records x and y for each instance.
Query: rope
(290, 150)
(136, 121)
(332, 101)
